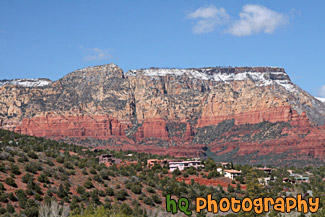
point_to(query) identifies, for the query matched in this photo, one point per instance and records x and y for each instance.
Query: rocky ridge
(175, 111)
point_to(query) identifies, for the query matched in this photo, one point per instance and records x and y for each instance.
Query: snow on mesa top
(39, 82)
(261, 76)
(321, 99)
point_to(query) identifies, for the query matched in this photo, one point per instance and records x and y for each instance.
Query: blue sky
(52, 38)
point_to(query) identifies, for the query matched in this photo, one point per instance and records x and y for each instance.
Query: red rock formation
(155, 128)
(83, 126)
(275, 114)
(173, 111)
(296, 142)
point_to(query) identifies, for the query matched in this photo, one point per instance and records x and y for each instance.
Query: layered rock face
(241, 113)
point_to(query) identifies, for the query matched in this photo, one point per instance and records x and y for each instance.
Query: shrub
(49, 162)
(101, 193)
(88, 184)
(12, 197)
(121, 195)
(4, 198)
(92, 171)
(109, 191)
(10, 208)
(27, 178)
(80, 190)
(33, 167)
(61, 192)
(2, 167)
(60, 159)
(230, 189)
(126, 209)
(15, 169)
(239, 179)
(33, 187)
(26, 149)
(150, 190)
(74, 204)
(176, 172)
(94, 196)
(156, 199)
(23, 159)
(31, 211)
(84, 172)
(128, 185)
(136, 189)
(209, 164)
(68, 165)
(148, 201)
(2, 187)
(21, 195)
(11, 182)
(97, 178)
(29, 192)
(2, 210)
(213, 174)
(152, 183)
(38, 197)
(123, 172)
(32, 155)
(42, 178)
(11, 159)
(238, 187)
(165, 171)
(104, 174)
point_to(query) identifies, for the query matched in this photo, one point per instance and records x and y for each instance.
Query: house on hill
(267, 180)
(152, 162)
(108, 159)
(181, 165)
(231, 174)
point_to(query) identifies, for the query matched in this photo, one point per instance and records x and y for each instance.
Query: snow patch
(321, 99)
(26, 82)
(260, 78)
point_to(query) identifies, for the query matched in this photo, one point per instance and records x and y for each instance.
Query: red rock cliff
(219, 111)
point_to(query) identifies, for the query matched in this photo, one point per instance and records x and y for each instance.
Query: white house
(231, 174)
(266, 181)
(181, 165)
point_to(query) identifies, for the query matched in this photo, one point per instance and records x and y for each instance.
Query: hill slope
(35, 171)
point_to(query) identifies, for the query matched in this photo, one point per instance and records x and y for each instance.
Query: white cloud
(208, 18)
(92, 54)
(255, 19)
(321, 91)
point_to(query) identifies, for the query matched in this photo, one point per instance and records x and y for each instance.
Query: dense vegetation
(36, 173)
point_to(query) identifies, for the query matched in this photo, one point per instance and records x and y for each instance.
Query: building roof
(265, 168)
(232, 171)
(302, 178)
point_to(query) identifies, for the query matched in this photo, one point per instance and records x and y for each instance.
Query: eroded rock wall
(172, 111)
